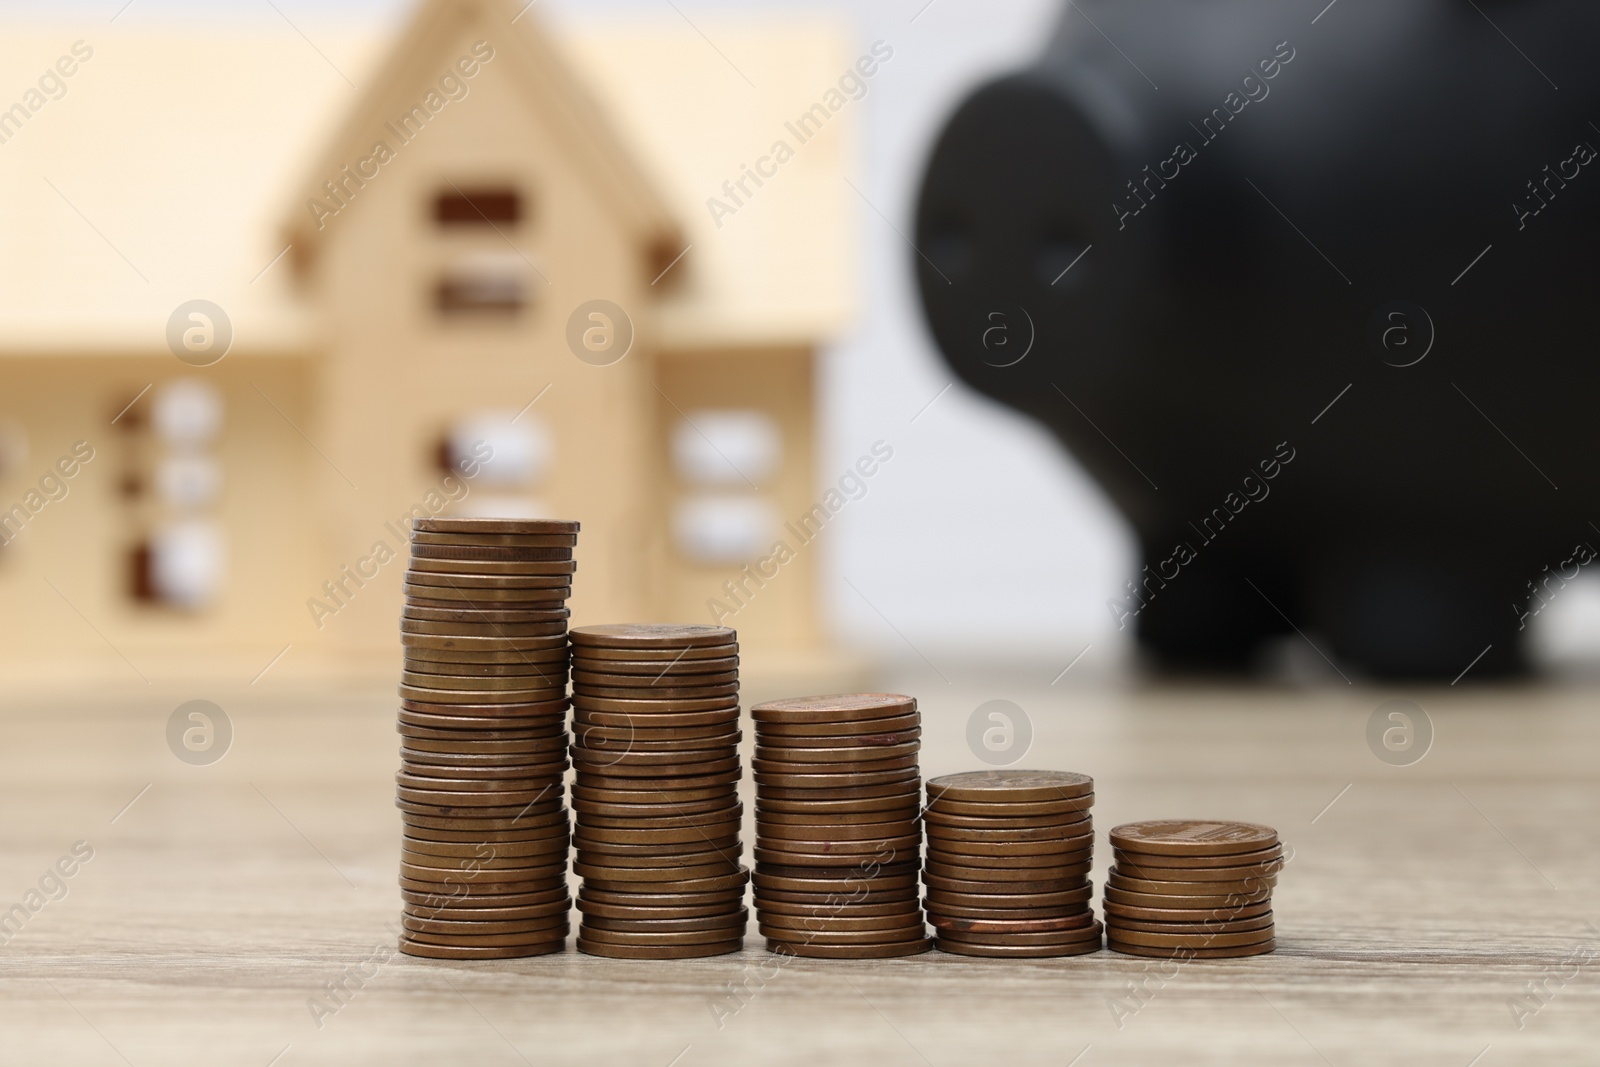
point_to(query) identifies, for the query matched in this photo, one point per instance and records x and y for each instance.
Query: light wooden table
(1418, 905)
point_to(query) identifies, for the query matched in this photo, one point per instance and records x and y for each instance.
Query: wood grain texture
(1417, 905)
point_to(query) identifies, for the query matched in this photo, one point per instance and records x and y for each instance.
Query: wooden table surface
(1421, 903)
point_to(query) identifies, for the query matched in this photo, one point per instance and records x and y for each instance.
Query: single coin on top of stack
(655, 748)
(838, 842)
(483, 869)
(1008, 863)
(1192, 889)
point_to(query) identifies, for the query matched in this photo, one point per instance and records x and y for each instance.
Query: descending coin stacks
(483, 867)
(655, 750)
(1008, 863)
(1190, 889)
(838, 841)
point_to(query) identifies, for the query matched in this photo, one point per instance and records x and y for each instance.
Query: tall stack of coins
(1008, 863)
(837, 836)
(1192, 889)
(655, 749)
(483, 868)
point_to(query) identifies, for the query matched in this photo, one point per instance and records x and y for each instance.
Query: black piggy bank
(1304, 286)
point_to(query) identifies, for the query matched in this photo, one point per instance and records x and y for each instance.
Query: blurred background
(179, 165)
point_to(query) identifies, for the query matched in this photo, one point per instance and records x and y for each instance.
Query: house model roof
(176, 159)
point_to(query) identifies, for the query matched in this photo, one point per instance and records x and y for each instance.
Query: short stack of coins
(655, 751)
(1192, 889)
(483, 868)
(1008, 863)
(838, 841)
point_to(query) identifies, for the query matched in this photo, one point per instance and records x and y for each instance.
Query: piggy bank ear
(1028, 242)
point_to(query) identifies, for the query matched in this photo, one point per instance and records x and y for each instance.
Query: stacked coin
(483, 867)
(838, 842)
(1192, 889)
(655, 750)
(1008, 863)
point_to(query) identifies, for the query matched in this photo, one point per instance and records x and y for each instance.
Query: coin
(850, 952)
(766, 750)
(836, 833)
(425, 748)
(1192, 837)
(657, 710)
(416, 913)
(666, 655)
(541, 712)
(798, 858)
(843, 805)
(1033, 864)
(724, 718)
(1263, 921)
(450, 931)
(771, 818)
(671, 808)
(596, 912)
(987, 898)
(534, 605)
(807, 772)
(1028, 875)
(1265, 856)
(658, 952)
(1009, 786)
(541, 898)
(1082, 948)
(1226, 913)
(501, 553)
(841, 784)
(1198, 874)
(457, 952)
(507, 540)
(548, 568)
(1031, 809)
(1243, 887)
(655, 669)
(1067, 939)
(461, 631)
(470, 643)
(852, 707)
(465, 580)
(679, 693)
(724, 924)
(474, 525)
(1234, 952)
(728, 811)
(826, 732)
(650, 685)
(1153, 900)
(465, 657)
(1023, 851)
(530, 695)
(727, 898)
(651, 635)
(672, 884)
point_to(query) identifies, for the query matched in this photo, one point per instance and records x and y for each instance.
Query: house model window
(499, 207)
(493, 281)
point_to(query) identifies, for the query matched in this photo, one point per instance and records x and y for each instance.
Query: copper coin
(848, 868)
(768, 907)
(634, 812)
(783, 746)
(1051, 939)
(509, 540)
(726, 899)
(458, 657)
(807, 732)
(935, 880)
(471, 746)
(466, 580)
(1056, 832)
(457, 952)
(664, 799)
(590, 837)
(799, 858)
(1074, 897)
(556, 891)
(503, 787)
(469, 617)
(595, 912)
(486, 631)
(547, 801)
(421, 914)
(1244, 887)
(1235, 952)
(1009, 787)
(954, 913)
(487, 857)
(502, 553)
(662, 655)
(539, 714)
(425, 791)
(628, 761)
(602, 851)
(554, 670)
(676, 885)
(652, 635)
(762, 880)
(1019, 952)
(1268, 871)
(1258, 922)
(731, 811)
(833, 899)
(635, 720)
(471, 643)
(476, 526)
(1193, 837)
(847, 707)
(655, 779)
(681, 709)
(664, 694)
(908, 920)
(476, 696)
(708, 736)
(429, 565)
(664, 871)
(822, 831)
(1019, 849)
(835, 786)
(529, 817)
(463, 765)
(1228, 913)
(658, 952)
(1234, 859)
(890, 935)
(850, 952)
(1151, 900)
(448, 931)
(709, 857)
(444, 869)
(765, 750)
(649, 684)
(652, 670)
(764, 761)
(893, 802)
(733, 922)
(538, 936)
(485, 848)
(794, 775)
(766, 817)
(439, 725)
(480, 884)
(1071, 874)
(550, 685)
(607, 750)
(1032, 809)
(1039, 864)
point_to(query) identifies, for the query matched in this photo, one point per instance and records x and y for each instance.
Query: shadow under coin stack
(656, 754)
(483, 866)
(1192, 889)
(838, 842)
(1008, 863)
